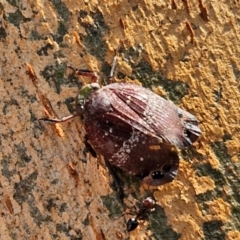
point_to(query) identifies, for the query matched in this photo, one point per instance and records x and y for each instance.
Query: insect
(143, 213)
(133, 128)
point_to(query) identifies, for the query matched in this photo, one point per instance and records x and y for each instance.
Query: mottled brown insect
(135, 129)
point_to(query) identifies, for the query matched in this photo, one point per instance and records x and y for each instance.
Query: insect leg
(87, 73)
(57, 120)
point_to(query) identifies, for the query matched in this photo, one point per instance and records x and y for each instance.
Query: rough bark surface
(186, 50)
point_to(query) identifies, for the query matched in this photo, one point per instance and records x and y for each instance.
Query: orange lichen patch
(202, 184)
(159, 90)
(179, 194)
(214, 131)
(213, 160)
(87, 20)
(219, 210)
(181, 218)
(233, 146)
(174, 198)
(124, 67)
(233, 235)
(198, 184)
(128, 80)
(140, 233)
(235, 159)
(189, 228)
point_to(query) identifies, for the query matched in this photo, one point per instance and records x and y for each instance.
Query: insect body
(135, 129)
(146, 207)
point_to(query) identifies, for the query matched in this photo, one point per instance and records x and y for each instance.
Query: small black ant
(142, 214)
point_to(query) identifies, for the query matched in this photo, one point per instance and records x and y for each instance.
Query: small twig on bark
(190, 29)
(186, 6)
(204, 13)
(174, 5)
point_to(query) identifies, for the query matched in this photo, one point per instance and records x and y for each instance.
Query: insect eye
(167, 167)
(157, 175)
(132, 224)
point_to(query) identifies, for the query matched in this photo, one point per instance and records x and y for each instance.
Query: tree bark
(187, 51)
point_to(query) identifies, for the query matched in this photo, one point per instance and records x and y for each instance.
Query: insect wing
(106, 138)
(155, 116)
(134, 152)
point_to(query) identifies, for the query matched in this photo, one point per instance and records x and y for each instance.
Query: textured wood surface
(187, 51)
